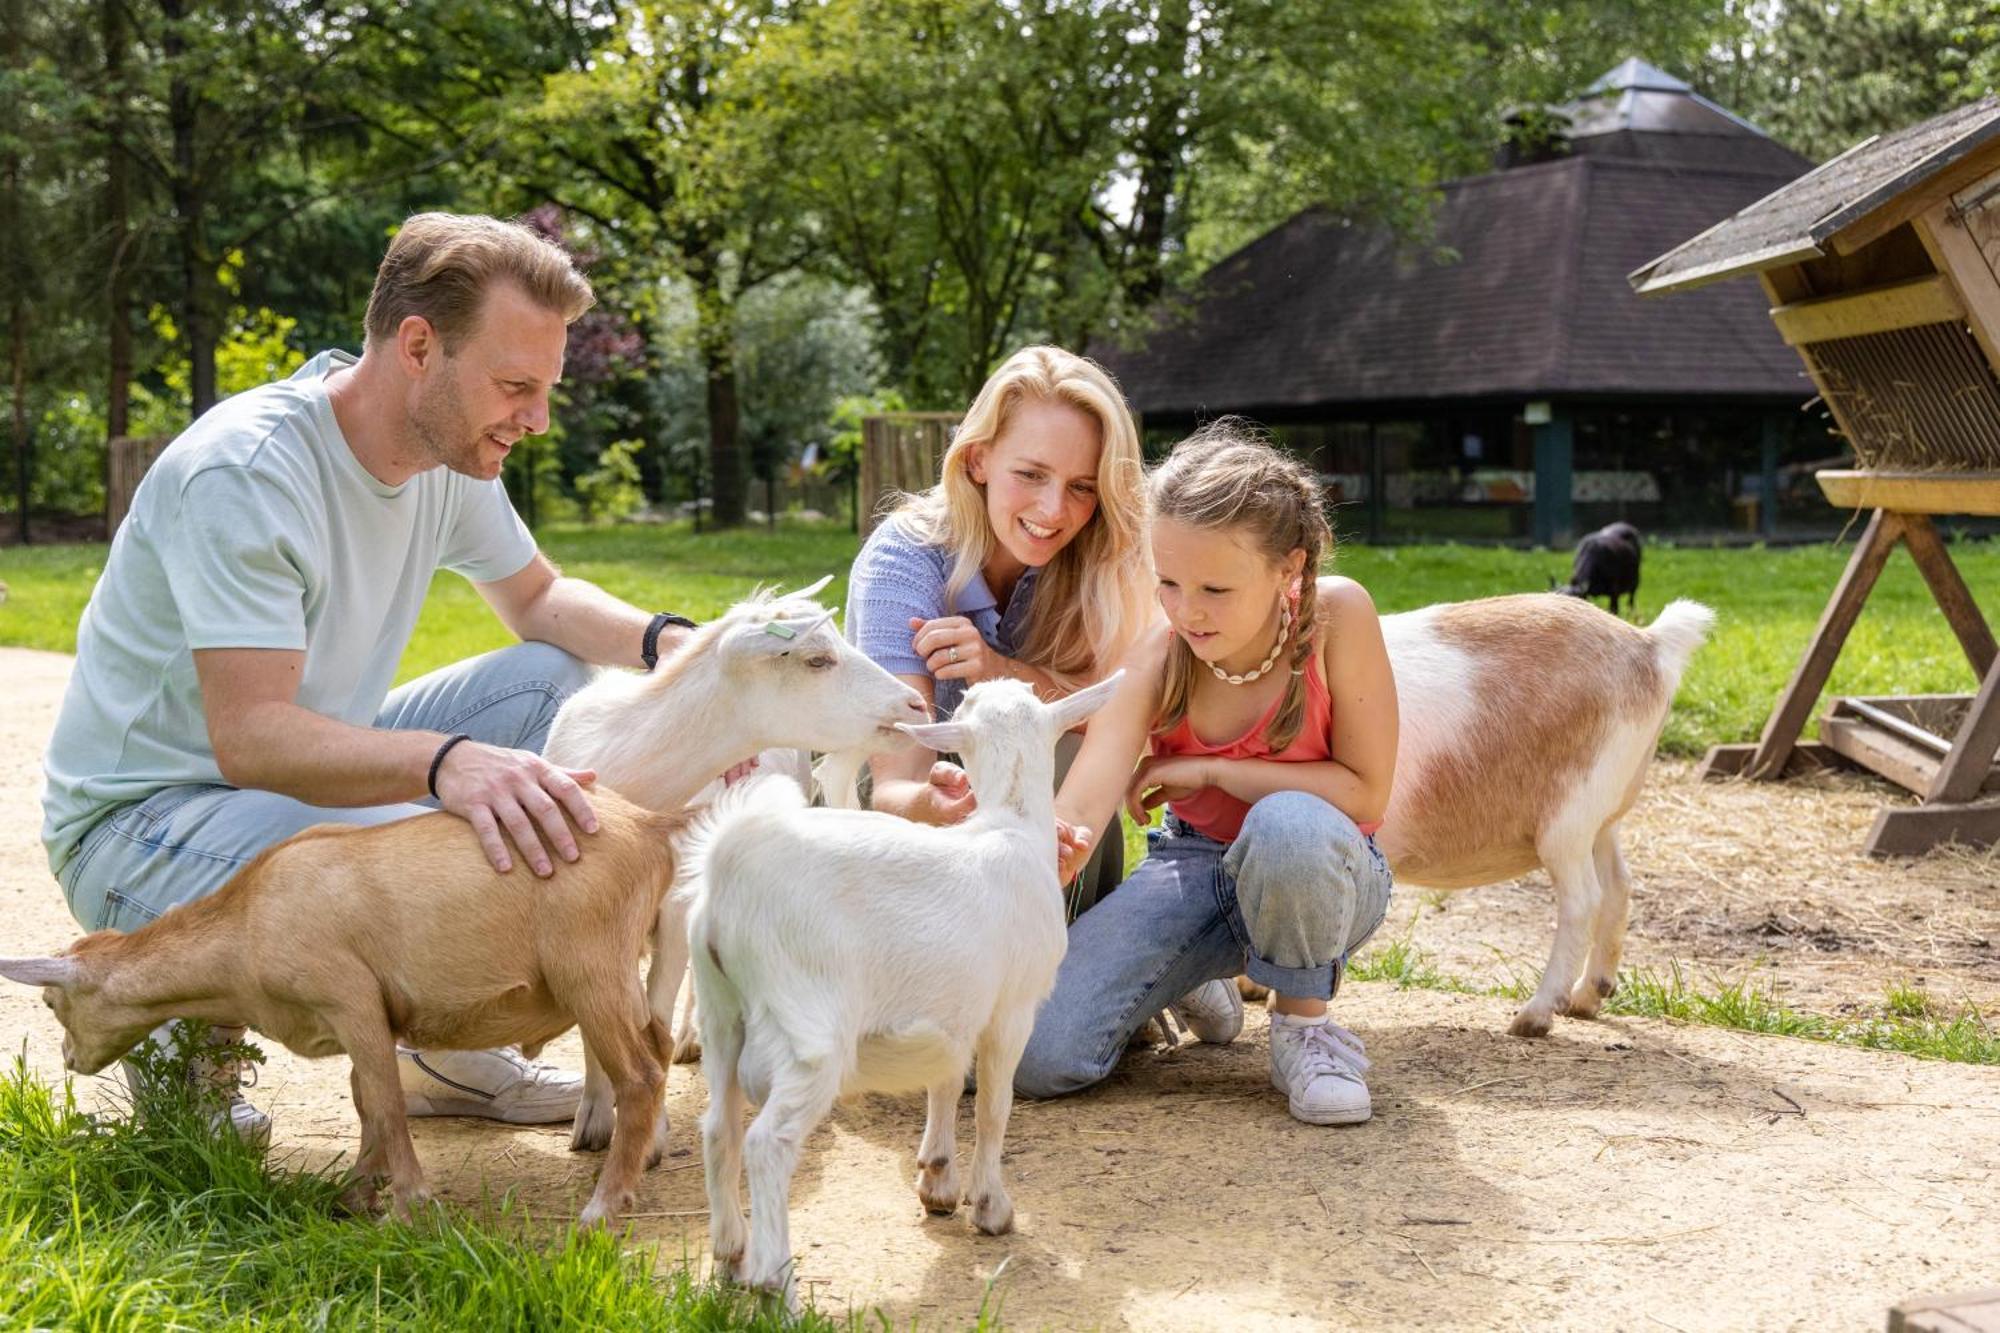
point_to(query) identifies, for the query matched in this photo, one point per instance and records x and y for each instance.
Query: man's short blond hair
(441, 265)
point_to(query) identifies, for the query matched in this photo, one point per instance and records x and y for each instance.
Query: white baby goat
(845, 951)
(1527, 726)
(772, 673)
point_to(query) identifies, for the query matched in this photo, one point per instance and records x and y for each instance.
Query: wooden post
(1378, 478)
(1554, 468)
(1953, 597)
(1781, 732)
(1767, 482)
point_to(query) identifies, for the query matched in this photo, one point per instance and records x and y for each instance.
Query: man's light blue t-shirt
(256, 528)
(897, 576)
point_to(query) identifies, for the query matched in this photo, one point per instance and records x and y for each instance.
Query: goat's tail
(1676, 632)
(754, 795)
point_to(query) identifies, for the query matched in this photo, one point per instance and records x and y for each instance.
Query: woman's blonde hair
(1227, 476)
(1090, 601)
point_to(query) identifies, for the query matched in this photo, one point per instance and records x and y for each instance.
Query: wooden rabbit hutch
(1883, 270)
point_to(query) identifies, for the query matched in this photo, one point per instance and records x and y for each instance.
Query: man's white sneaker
(227, 1075)
(498, 1084)
(1318, 1065)
(1212, 1011)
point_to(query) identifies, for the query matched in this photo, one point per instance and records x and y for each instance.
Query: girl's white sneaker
(1318, 1066)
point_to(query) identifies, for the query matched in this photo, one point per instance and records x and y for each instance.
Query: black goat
(1607, 565)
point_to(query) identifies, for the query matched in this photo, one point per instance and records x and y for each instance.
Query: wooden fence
(900, 451)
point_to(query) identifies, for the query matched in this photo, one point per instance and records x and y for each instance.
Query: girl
(1027, 559)
(1271, 713)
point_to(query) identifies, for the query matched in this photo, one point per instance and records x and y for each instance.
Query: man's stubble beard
(439, 426)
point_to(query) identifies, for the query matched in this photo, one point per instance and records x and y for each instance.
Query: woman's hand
(1163, 778)
(952, 650)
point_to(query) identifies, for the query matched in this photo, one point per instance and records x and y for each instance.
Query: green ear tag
(779, 631)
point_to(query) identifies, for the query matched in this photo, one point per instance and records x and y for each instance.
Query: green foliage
(610, 491)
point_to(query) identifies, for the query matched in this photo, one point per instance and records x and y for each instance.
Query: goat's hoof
(687, 1047)
(361, 1198)
(1250, 990)
(938, 1191)
(592, 1130)
(1607, 987)
(1530, 1023)
(410, 1205)
(599, 1214)
(993, 1214)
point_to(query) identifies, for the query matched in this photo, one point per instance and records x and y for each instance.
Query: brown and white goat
(1527, 726)
(346, 939)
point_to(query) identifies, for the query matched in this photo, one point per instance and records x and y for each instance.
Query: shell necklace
(1284, 633)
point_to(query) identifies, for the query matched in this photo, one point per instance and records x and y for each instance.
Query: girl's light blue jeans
(1298, 891)
(182, 843)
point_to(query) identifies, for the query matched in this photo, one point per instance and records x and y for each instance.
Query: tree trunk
(727, 481)
(18, 277)
(1159, 155)
(198, 333)
(117, 209)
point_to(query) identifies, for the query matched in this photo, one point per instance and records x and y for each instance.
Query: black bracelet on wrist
(437, 762)
(649, 647)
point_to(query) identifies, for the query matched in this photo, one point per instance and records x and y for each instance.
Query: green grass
(1908, 1020)
(151, 1222)
(1767, 602)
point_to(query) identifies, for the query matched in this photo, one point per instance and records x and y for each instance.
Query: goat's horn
(812, 589)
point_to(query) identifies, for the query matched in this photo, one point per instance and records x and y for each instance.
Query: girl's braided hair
(1228, 475)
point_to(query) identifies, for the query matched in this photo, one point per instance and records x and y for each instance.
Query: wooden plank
(1908, 766)
(1785, 286)
(1977, 1310)
(1900, 305)
(1912, 492)
(1723, 762)
(1795, 704)
(1967, 622)
(1912, 830)
(1967, 247)
(1965, 769)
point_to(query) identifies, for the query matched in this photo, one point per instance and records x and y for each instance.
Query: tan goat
(345, 939)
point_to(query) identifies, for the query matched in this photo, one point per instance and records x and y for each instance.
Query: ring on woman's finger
(954, 653)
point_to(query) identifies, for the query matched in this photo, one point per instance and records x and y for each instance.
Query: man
(233, 665)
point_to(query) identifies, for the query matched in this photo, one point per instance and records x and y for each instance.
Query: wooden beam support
(1723, 762)
(1934, 561)
(1913, 492)
(1781, 732)
(1912, 830)
(1964, 770)
(1899, 305)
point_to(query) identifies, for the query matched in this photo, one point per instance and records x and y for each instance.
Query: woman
(1027, 560)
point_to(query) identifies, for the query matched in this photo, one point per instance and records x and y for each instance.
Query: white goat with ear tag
(842, 951)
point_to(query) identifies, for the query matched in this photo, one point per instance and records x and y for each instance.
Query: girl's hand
(1163, 778)
(949, 794)
(1073, 848)
(952, 650)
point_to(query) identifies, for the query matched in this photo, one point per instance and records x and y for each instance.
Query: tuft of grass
(1911, 1021)
(155, 1222)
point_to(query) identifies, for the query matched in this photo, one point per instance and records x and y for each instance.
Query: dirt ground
(1624, 1174)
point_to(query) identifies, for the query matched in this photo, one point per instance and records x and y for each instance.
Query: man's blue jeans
(1298, 891)
(183, 843)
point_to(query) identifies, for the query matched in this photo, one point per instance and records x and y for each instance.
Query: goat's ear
(944, 737)
(1074, 708)
(39, 971)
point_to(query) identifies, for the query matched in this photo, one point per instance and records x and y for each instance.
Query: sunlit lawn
(1767, 602)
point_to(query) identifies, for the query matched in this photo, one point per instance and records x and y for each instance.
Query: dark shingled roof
(1535, 304)
(1794, 222)
(1523, 293)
